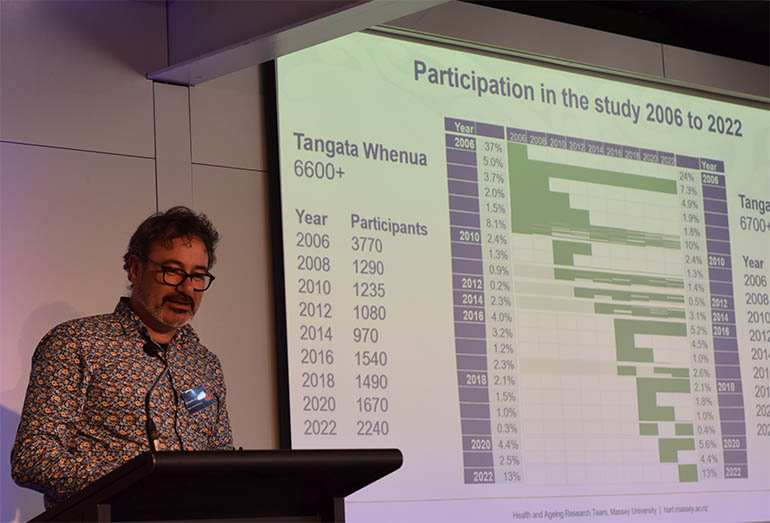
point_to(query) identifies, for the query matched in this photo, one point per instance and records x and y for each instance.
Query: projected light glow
(549, 290)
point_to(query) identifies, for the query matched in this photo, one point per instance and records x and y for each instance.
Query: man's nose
(186, 287)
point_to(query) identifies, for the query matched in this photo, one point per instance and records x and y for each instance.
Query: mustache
(180, 298)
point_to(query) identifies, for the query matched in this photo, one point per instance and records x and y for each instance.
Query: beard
(156, 311)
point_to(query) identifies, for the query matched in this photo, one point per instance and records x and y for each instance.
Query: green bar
(584, 292)
(675, 373)
(518, 153)
(538, 210)
(669, 447)
(684, 429)
(617, 278)
(646, 395)
(635, 310)
(625, 330)
(600, 233)
(624, 370)
(564, 252)
(648, 429)
(688, 473)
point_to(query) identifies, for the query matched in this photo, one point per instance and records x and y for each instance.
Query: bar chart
(671, 316)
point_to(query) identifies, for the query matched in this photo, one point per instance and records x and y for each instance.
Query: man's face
(164, 308)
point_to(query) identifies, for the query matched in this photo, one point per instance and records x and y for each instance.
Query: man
(92, 378)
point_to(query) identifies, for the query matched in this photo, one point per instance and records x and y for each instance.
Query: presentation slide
(548, 289)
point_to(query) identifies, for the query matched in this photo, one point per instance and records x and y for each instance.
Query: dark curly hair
(177, 222)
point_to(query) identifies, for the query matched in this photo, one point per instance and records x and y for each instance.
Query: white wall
(88, 148)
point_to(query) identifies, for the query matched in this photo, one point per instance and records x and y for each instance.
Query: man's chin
(176, 320)
(171, 318)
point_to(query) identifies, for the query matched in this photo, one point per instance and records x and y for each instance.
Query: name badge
(197, 399)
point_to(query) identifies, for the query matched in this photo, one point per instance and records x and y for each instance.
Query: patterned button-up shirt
(84, 413)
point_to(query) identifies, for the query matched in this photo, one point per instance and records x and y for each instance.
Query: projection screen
(548, 288)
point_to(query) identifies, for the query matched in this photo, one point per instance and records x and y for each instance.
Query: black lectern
(228, 485)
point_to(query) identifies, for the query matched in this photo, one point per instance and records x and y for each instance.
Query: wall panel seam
(28, 144)
(263, 171)
(189, 138)
(155, 146)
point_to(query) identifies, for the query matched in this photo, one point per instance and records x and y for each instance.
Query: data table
(488, 163)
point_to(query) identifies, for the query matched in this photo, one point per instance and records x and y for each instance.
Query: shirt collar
(132, 323)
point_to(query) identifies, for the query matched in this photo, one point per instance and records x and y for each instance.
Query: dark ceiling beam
(211, 38)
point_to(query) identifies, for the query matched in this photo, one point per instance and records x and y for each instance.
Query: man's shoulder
(189, 341)
(85, 326)
(73, 335)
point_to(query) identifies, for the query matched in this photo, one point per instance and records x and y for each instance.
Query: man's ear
(134, 268)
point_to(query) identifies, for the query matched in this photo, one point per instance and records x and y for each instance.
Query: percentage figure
(702, 358)
(697, 301)
(507, 395)
(701, 373)
(498, 332)
(507, 428)
(699, 344)
(689, 189)
(498, 254)
(507, 412)
(496, 223)
(492, 161)
(512, 475)
(501, 239)
(509, 460)
(500, 301)
(496, 208)
(496, 193)
(499, 269)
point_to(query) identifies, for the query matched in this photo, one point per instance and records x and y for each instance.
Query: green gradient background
(361, 88)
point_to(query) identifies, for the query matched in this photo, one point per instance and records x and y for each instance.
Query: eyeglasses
(175, 277)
